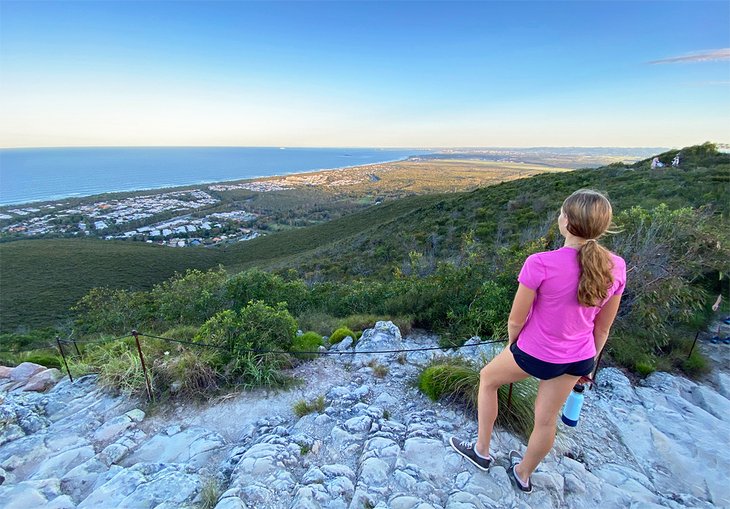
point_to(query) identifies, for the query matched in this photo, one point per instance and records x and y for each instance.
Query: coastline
(124, 193)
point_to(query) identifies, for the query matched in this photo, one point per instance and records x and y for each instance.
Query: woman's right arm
(604, 320)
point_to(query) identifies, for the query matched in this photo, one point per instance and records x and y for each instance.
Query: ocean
(32, 175)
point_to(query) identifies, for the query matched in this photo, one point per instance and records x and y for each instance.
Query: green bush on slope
(242, 338)
(340, 334)
(307, 342)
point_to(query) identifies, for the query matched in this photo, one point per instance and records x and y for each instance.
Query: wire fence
(136, 335)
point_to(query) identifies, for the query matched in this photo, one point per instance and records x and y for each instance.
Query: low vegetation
(340, 334)
(210, 493)
(304, 407)
(459, 380)
(379, 370)
(307, 342)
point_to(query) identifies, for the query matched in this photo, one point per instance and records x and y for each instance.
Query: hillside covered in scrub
(444, 262)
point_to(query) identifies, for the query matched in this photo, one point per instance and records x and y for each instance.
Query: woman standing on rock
(562, 312)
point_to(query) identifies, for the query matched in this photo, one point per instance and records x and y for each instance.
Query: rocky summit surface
(378, 443)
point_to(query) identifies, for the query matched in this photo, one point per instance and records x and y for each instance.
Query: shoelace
(467, 445)
(472, 447)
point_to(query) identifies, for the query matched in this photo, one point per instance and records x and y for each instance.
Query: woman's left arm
(520, 309)
(603, 321)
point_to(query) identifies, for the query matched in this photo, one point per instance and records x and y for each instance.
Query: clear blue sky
(418, 74)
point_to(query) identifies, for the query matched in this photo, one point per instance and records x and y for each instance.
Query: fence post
(63, 356)
(693, 344)
(77, 348)
(144, 368)
(595, 369)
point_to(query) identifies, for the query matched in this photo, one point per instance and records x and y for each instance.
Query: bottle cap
(579, 388)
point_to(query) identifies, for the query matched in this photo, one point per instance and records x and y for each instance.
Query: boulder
(23, 372)
(343, 345)
(43, 380)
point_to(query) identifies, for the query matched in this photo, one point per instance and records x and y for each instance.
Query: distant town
(170, 218)
(128, 219)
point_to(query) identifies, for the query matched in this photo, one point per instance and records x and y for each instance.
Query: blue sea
(31, 175)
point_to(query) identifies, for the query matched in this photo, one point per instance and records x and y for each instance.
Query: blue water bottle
(571, 410)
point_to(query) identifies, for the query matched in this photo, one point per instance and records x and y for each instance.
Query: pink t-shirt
(558, 328)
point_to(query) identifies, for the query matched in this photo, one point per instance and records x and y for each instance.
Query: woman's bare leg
(501, 370)
(551, 395)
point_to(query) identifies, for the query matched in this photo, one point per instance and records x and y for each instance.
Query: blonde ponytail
(595, 273)
(589, 216)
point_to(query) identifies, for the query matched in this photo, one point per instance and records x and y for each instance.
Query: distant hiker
(675, 161)
(716, 305)
(562, 312)
(656, 163)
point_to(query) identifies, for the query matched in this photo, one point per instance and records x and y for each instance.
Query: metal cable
(326, 352)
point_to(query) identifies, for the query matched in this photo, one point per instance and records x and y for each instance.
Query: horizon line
(283, 147)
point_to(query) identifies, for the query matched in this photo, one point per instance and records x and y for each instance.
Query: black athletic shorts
(547, 370)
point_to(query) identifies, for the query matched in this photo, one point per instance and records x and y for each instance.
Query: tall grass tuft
(459, 380)
(210, 493)
(188, 375)
(304, 407)
(123, 373)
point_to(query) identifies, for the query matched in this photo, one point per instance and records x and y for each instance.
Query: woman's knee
(545, 420)
(487, 378)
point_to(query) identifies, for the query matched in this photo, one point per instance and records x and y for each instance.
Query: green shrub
(486, 315)
(644, 368)
(222, 330)
(307, 342)
(191, 298)
(44, 359)
(696, 365)
(44, 356)
(182, 332)
(267, 327)
(460, 380)
(256, 284)
(113, 311)
(37, 338)
(303, 407)
(669, 251)
(257, 327)
(340, 334)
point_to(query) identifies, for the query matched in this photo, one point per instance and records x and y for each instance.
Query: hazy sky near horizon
(390, 74)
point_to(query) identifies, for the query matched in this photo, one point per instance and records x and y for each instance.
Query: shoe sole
(451, 442)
